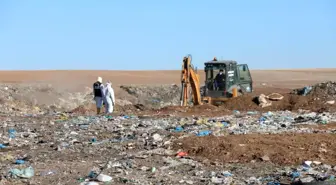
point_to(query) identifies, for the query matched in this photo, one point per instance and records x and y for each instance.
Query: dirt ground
(280, 149)
(277, 79)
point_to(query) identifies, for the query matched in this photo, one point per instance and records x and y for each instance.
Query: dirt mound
(154, 96)
(290, 102)
(324, 91)
(37, 98)
(290, 148)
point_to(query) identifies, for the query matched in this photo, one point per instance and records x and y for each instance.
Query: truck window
(208, 74)
(244, 73)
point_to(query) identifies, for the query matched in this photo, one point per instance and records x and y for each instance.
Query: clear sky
(156, 34)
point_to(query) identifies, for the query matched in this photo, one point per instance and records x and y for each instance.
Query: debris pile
(323, 91)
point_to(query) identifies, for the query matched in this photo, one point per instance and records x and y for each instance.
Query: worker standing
(109, 98)
(97, 93)
(219, 80)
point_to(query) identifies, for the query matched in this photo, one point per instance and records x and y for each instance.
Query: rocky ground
(51, 136)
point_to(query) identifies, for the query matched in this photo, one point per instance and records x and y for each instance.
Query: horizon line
(135, 70)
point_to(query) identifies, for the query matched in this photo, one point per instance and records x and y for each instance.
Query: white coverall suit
(108, 98)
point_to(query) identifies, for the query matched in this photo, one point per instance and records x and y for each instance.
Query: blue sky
(152, 34)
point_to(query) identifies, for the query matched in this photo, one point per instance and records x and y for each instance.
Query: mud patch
(280, 149)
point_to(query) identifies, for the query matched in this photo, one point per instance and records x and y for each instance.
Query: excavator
(236, 81)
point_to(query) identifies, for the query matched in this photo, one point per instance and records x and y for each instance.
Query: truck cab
(234, 75)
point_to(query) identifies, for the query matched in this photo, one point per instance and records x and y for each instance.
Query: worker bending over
(109, 100)
(97, 93)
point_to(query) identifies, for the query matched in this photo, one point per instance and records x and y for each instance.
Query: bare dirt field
(59, 135)
(273, 78)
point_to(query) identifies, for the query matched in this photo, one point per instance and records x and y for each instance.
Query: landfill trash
(265, 158)
(48, 172)
(89, 183)
(179, 129)
(12, 133)
(275, 97)
(262, 99)
(23, 173)
(306, 90)
(157, 137)
(148, 149)
(321, 91)
(332, 178)
(182, 154)
(227, 174)
(204, 133)
(104, 178)
(251, 112)
(19, 161)
(331, 102)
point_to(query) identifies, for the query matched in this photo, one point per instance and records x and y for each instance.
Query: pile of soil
(290, 102)
(290, 148)
(155, 96)
(314, 100)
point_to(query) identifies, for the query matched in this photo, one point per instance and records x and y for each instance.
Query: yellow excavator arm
(190, 81)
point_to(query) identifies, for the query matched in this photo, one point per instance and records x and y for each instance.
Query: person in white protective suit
(108, 98)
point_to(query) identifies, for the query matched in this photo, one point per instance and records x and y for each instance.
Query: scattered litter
(24, 173)
(148, 149)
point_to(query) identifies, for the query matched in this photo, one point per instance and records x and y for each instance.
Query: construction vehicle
(237, 80)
